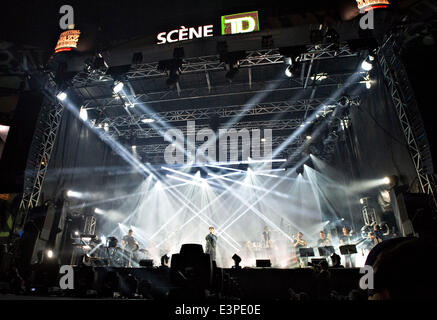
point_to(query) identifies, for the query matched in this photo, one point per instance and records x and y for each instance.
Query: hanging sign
(184, 33)
(67, 40)
(240, 23)
(367, 5)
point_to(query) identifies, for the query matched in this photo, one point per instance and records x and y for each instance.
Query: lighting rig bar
(331, 80)
(283, 124)
(296, 106)
(213, 63)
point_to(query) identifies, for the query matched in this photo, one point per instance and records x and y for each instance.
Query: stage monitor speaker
(14, 159)
(148, 263)
(414, 214)
(264, 263)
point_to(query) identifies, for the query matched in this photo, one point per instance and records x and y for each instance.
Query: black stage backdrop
(81, 161)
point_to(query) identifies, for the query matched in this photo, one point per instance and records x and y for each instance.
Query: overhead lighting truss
(213, 63)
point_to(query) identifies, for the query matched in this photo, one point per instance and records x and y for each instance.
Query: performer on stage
(129, 241)
(266, 242)
(299, 242)
(131, 245)
(211, 243)
(323, 240)
(346, 238)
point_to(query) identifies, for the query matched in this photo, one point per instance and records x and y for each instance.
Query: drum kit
(111, 254)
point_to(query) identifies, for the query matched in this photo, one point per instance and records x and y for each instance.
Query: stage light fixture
(308, 137)
(49, 254)
(99, 211)
(386, 180)
(368, 84)
(118, 86)
(362, 201)
(237, 260)
(73, 194)
(148, 120)
(106, 127)
(173, 69)
(233, 70)
(367, 64)
(83, 114)
(76, 233)
(61, 96)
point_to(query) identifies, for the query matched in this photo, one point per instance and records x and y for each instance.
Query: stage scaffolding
(52, 114)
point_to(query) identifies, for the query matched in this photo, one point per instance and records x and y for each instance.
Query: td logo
(240, 23)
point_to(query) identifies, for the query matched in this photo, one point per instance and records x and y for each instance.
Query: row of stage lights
(117, 89)
(292, 66)
(292, 69)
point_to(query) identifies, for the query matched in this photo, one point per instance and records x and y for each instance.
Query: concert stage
(246, 136)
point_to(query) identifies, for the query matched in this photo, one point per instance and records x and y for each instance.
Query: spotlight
(147, 120)
(173, 68)
(173, 77)
(99, 211)
(237, 260)
(83, 114)
(299, 170)
(49, 254)
(134, 147)
(118, 86)
(386, 180)
(308, 137)
(73, 194)
(233, 70)
(291, 70)
(106, 127)
(362, 201)
(343, 101)
(368, 84)
(76, 233)
(263, 140)
(61, 96)
(367, 64)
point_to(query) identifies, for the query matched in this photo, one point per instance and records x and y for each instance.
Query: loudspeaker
(14, 159)
(263, 263)
(414, 214)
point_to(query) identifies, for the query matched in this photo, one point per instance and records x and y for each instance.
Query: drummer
(129, 241)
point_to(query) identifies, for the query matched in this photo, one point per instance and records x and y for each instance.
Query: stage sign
(184, 33)
(366, 5)
(67, 40)
(240, 23)
(4, 196)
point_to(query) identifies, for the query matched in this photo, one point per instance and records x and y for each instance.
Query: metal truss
(148, 132)
(396, 79)
(296, 106)
(213, 63)
(331, 80)
(90, 225)
(50, 118)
